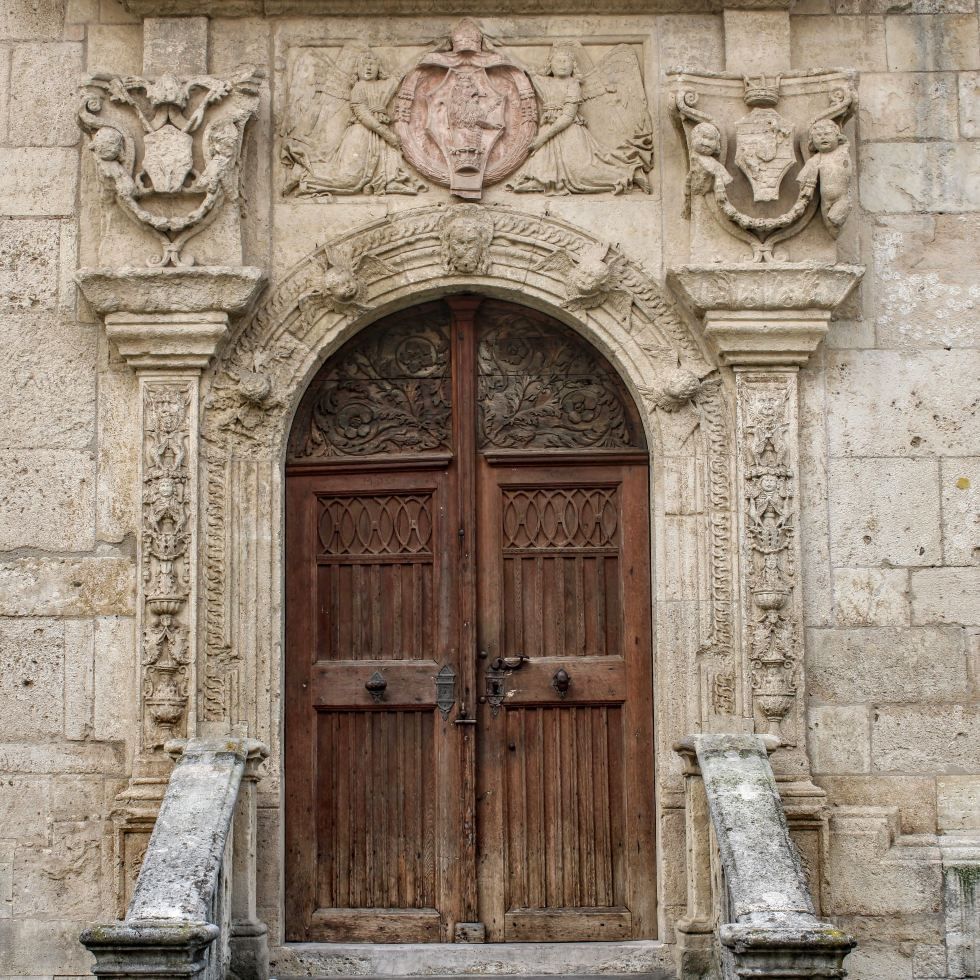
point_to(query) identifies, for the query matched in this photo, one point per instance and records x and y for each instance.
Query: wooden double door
(469, 744)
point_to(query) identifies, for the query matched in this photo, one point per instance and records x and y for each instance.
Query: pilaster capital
(169, 319)
(766, 314)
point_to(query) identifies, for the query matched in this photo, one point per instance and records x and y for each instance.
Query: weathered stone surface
(50, 364)
(691, 40)
(908, 106)
(969, 92)
(864, 875)
(47, 499)
(871, 597)
(886, 664)
(178, 45)
(838, 739)
(926, 738)
(31, 22)
(116, 48)
(59, 878)
(946, 595)
(29, 264)
(31, 692)
(886, 403)
(961, 510)
(857, 42)
(922, 299)
(884, 511)
(42, 113)
(932, 42)
(117, 502)
(958, 802)
(915, 796)
(897, 178)
(38, 182)
(115, 683)
(757, 40)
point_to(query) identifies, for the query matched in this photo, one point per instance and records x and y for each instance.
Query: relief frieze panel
(464, 112)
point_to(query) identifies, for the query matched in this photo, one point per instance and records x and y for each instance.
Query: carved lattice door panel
(468, 620)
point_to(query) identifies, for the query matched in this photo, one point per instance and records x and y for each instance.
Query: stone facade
(813, 429)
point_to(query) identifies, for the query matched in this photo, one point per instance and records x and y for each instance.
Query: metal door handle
(376, 685)
(498, 671)
(561, 682)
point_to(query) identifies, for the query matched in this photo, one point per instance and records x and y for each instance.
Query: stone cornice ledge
(169, 319)
(766, 314)
(432, 8)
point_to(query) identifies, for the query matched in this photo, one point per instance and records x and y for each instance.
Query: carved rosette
(166, 540)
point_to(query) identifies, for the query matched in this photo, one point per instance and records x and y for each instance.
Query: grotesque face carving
(466, 242)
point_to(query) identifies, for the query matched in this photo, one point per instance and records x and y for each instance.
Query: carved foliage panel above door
(541, 387)
(386, 391)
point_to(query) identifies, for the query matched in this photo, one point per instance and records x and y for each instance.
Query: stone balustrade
(750, 913)
(193, 908)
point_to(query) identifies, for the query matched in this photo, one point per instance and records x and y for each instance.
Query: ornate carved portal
(464, 517)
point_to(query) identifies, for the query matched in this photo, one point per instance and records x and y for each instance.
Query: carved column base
(813, 950)
(150, 950)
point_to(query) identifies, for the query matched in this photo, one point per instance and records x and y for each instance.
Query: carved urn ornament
(741, 173)
(167, 150)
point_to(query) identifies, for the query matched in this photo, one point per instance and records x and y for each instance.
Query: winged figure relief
(595, 133)
(337, 136)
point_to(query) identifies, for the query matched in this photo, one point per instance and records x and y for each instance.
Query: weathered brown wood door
(469, 748)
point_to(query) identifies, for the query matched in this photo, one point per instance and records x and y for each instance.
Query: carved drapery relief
(265, 368)
(767, 429)
(167, 150)
(165, 556)
(539, 389)
(740, 173)
(464, 113)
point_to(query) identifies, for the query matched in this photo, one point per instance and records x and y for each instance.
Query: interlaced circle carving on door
(541, 387)
(572, 517)
(388, 390)
(386, 524)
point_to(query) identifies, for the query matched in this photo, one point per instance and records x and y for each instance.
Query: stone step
(635, 960)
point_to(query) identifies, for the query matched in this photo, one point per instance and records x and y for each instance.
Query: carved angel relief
(342, 284)
(466, 115)
(767, 148)
(169, 155)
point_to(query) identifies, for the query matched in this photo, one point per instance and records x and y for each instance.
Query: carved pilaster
(764, 321)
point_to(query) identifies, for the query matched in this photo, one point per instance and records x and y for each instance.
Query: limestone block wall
(890, 447)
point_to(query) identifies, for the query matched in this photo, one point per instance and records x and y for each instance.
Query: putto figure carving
(467, 115)
(341, 287)
(765, 152)
(337, 138)
(595, 133)
(183, 177)
(830, 167)
(466, 240)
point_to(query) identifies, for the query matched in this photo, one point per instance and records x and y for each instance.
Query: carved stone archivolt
(464, 113)
(741, 171)
(167, 150)
(250, 395)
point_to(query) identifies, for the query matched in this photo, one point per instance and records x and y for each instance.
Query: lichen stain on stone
(962, 483)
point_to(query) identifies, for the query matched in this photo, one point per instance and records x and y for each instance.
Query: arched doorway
(468, 719)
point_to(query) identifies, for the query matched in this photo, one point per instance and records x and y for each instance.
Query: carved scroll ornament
(167, 152)
(767, 148)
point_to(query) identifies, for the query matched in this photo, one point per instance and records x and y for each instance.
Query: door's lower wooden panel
(375, 806)
(376, 926)
(565, 821)
(568, 925)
